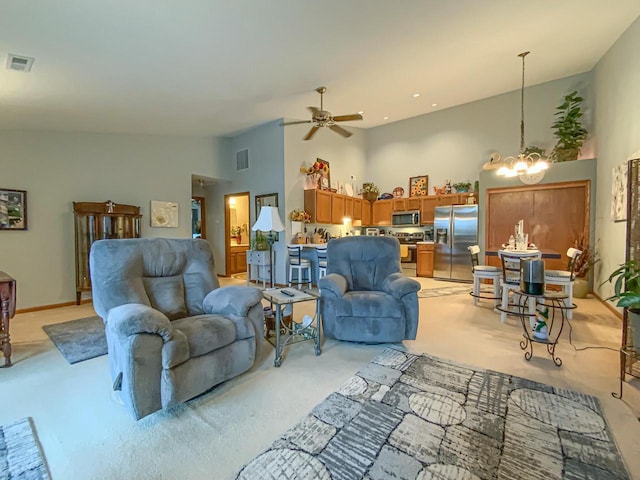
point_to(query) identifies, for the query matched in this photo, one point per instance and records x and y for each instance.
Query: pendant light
(529, 164)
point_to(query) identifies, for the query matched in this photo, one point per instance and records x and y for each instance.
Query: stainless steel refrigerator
(456, 228)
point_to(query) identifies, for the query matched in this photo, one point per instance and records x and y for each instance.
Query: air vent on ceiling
(242, 159)
(19, 63)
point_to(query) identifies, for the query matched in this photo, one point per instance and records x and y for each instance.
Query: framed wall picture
(619, 193)
(13, 209)
(419, 186)
(266, 200)
(164, 214)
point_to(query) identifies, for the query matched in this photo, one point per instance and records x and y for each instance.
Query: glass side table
(554, 301)
(293, 332)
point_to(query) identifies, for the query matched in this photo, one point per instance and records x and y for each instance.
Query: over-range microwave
(401, 219)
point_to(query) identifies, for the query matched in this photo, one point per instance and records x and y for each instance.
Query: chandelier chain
(522, 55)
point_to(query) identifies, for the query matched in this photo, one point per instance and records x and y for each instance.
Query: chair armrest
(233, 300)
(334, 283)
(398, 285)
(134, 318)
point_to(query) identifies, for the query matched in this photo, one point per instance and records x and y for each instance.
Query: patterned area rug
(408, 416)
(79, 340)
(20, 456)
(439, 292)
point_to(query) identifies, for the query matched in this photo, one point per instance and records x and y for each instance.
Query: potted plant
(259, 241)
(626, 290)
(462, 187)
(370, 192)
(581, 268)
(568, 129)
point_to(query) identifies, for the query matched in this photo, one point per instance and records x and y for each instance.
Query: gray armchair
(172, 333)
(364, 296)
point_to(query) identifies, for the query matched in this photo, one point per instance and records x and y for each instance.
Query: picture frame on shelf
(324, 175)
(419, 186)
(13, 209)
(266, 200)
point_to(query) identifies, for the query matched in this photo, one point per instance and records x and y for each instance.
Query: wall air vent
(19, 63)
(242, 160)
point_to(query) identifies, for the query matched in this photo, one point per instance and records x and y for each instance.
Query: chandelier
(531, 163)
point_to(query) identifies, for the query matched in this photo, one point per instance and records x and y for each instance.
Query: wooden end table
(8, 310)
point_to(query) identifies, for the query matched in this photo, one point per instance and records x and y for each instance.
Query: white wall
(265, 175)
(57, 169)
(453, 144)
(617, 120)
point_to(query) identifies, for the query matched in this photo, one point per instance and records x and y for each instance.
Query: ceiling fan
(321, 118)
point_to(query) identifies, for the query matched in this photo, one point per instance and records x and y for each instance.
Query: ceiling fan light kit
(322, 118)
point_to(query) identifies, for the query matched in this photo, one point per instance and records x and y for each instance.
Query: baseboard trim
(611, 308)
(52, 306)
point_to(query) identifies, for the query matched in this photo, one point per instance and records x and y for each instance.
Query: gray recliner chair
(172, 333)
(364, 296)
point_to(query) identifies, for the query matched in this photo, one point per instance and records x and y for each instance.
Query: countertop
(426, 242)
(306, 245)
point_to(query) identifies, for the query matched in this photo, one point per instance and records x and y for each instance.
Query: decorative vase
(580, 288)
(296, 227)
(370, 196)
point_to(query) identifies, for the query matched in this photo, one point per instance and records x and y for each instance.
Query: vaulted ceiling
(214, 67)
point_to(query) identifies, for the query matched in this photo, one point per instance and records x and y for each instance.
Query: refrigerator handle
(451, 229)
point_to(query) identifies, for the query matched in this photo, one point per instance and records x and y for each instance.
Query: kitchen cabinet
(427, 209)
(337, 208)
(366, 212)
(357, 209)
(448, 199)
(98, 221)
(348, 207)
(381, 213)
(317, 203)
(406, 204)
(424, 260)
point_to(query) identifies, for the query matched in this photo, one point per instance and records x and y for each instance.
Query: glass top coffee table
(293, 332)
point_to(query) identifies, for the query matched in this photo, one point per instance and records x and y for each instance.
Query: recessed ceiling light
(385, 118)
(415, 95)
(434, 104)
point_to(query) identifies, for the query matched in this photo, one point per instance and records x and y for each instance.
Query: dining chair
(322, 261)
(300, 265)
(511, 279)
(565, 279)
(483, 272)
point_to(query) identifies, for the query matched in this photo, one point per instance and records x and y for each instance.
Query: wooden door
(366, 212)
(348, 207)
(337, 208)
(357, 208)
(555, 216)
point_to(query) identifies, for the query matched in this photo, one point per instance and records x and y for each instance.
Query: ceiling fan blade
(340, 130)
(313, 110)
(283, 124)
(311, 133)
(346, 118)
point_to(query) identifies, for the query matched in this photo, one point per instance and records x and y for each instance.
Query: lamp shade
(268, 220)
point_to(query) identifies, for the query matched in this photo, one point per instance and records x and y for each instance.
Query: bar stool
(483, 272)
(299, 264)
(565, 278)
(322, 261)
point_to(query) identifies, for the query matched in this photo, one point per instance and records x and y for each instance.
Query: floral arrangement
(298, 215)
(236, 231)
(317, 167)
(370, 188)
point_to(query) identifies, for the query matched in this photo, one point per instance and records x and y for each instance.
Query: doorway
(198, 217)
(237, 237)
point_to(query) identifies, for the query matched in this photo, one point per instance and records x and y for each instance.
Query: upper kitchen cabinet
(427, 209)
(406, 204)
(382, 210)
(317, 203)
(338, 204)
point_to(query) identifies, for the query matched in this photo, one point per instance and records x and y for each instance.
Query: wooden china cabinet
(99, 221)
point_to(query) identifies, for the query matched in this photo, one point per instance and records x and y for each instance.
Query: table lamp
(269, 221)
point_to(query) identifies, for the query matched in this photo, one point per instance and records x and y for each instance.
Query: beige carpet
(85, 435)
